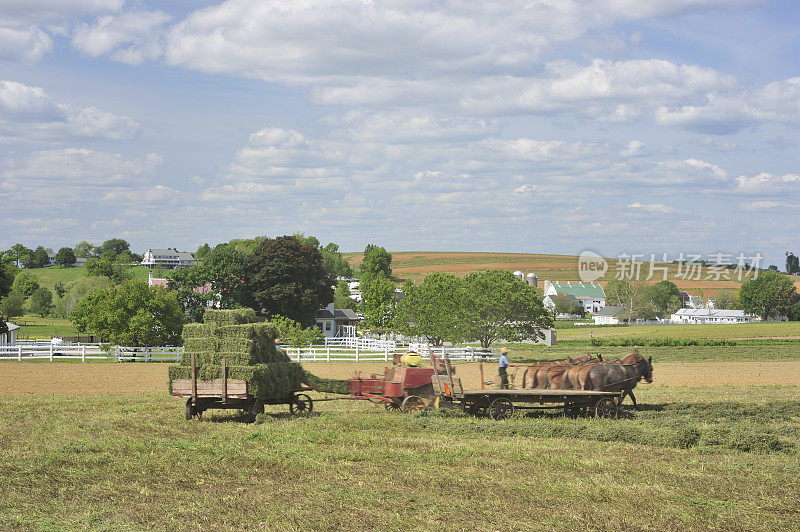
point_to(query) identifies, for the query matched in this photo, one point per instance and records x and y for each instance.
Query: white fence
(84, 352)
(334, 354)
(365, 344)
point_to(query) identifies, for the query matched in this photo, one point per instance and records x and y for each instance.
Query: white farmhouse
(336, 321)
(590, 296)
(607, 315)
(167, 258)
(711, 316)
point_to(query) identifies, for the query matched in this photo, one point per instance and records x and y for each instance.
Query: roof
(708, 312)
(580, 290)
(337, 314)
(12, 326)
(182, 255)
(608, 310)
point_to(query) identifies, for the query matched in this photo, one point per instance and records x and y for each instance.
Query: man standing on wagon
(502, 368)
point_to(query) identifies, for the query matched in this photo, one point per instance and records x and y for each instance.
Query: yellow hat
(504, 350)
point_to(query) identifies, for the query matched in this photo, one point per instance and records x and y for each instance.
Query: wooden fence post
(19, 353)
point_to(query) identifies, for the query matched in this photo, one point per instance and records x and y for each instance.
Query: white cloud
(767, 183)
(761, 205)
(27, 113)
(131, 36)
(26, 44)
(654, 208)
(633, 148)
(525, 190)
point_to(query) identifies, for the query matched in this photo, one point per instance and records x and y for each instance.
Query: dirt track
(91, 378)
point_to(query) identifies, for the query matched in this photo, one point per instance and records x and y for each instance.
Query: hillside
(48, 277)
(415, 265)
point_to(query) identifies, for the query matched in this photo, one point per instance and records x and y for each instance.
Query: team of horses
(588, 373)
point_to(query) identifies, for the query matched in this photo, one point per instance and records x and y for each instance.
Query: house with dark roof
(333, 321)
(167, 258)
(590, 296)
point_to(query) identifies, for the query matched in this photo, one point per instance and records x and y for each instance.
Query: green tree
(12, 305)
(77, 290)
(105, 267)
(6, 279)
(726, 299)
(500, 306)
(565, 304)
(665, 297)
(378, 301)
(633, 297)
(25, 283)
(376, 260)
(37, 259)
(293, 334)
(66, 257)
(84, 250)
(202, 251)
(20, 254)
(285, 277)
(41, 302)
(771, 294)
(341, 297)
(433, 309)
(792, 263)
(114, 247)
(60, 289)
(332, 258)
(131, 314)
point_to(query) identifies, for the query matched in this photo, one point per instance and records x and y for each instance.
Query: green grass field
(534, 353)
(789, 329)
(48, 277)
(702, 458)
(38, 327)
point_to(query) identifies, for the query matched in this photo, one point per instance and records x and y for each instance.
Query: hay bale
(200, 344)
(326, 385)
(276, 380)
(198, 330)
(230, 317)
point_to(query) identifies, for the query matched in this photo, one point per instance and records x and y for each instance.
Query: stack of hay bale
(249, 351)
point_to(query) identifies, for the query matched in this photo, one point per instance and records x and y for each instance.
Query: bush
(25, 283)
(12, 305)
(41, 302)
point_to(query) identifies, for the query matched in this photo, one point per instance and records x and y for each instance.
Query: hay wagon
(501, 404)
(227, 393)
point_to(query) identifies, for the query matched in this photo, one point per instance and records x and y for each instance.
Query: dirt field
(80, 379)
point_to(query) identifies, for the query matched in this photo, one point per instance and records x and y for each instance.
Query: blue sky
(541, 126)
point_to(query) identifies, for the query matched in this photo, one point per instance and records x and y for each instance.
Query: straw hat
(504, 350)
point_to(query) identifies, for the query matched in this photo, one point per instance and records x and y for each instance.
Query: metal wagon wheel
(301, 405)
(391, 407)
(606, 407)
(501, 408)
(413, 403)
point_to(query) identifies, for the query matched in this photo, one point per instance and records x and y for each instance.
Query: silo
(519, 275)
(532, 279)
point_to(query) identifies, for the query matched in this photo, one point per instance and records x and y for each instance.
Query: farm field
(694, 458)
(415, 265)
(48, 277)
(38, 327)
(788, 329)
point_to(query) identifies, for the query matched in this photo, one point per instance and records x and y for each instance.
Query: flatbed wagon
(225, 393)
(501, 404)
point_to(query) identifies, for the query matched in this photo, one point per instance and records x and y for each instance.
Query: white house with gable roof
(167, 258)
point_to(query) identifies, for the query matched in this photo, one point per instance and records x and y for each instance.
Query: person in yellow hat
(503, 364)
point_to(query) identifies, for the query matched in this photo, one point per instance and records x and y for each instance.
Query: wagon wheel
(190, 412)
(501, 408)
(391, 406)
(301, 404)
(255, 407)
(606, 407)
(413, 403)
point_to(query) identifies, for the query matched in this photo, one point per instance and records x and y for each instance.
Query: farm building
(334, 321)
(607, 315)
(167, 258)
(590, 296)
(9, 338)
(709, 316)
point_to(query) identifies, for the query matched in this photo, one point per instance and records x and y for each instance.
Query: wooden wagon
(225, 393)
(501, 404)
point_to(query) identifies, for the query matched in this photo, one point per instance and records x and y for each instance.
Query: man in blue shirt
(502, 365)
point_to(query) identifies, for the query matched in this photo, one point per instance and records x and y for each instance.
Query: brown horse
(537, 375)
(576, 376)
(620, 375)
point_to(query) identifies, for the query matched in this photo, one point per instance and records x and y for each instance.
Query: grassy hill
(415, 265)
(48, 277)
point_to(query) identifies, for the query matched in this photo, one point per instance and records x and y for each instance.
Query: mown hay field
(741, 331)
(415, 265)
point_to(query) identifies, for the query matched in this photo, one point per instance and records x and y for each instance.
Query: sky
(543, 126)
